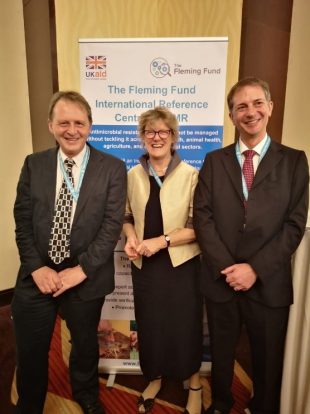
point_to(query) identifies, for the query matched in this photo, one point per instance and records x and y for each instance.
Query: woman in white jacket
(165, 261)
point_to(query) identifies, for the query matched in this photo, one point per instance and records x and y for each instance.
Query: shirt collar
(258, 148)
(77, 158)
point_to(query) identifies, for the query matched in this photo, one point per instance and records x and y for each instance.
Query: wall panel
(265, 41)
(297, 103)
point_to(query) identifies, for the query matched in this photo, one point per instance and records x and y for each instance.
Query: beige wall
(15, 128)
(77, 19)
(296, 131)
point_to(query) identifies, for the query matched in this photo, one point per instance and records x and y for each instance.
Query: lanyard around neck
(154, 174)
(75, 192)
(239, 158)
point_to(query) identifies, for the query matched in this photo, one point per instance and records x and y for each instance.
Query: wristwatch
(167, 238)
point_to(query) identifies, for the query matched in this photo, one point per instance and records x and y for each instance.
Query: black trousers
(34, 318)
(266, 329)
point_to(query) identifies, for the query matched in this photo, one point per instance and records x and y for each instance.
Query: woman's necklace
(163, 170)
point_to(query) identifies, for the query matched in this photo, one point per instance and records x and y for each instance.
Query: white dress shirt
(258, 149)
(76, 170)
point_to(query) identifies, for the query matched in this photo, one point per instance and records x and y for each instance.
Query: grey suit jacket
(96, 226)
(275, 220)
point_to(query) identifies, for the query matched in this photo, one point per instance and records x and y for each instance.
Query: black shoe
(147, 404)
(93, 407)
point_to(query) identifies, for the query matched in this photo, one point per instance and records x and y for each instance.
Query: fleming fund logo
(96, 67)
(160, 67)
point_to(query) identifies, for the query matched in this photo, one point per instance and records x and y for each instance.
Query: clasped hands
(49, 281)
(240, 276)
(134, 249)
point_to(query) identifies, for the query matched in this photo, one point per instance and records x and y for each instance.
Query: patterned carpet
(118, 399)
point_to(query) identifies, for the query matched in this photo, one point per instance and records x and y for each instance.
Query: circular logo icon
(160, 68)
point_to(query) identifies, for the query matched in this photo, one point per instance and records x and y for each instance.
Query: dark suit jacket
(96, 226)
(276, 217)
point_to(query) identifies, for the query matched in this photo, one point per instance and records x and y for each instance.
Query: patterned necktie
(59, 244)
(248, 168)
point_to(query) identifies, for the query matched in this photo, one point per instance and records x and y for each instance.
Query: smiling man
(69, 212)
(250, 211)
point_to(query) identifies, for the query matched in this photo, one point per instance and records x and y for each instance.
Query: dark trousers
(34, 318)
(266, 329)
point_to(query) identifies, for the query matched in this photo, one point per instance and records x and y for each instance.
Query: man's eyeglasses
(162, 133)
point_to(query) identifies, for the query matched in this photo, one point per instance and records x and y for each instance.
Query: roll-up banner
(121, 78)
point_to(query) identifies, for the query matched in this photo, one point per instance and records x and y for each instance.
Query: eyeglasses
(162, 133)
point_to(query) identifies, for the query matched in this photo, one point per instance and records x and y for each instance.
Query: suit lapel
(272, 157)
(49, 177)
(233, 169)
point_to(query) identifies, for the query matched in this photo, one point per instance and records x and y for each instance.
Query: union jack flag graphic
(96, 62)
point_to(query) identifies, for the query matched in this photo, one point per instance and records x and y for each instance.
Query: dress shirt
(76, 170)
(258, 149)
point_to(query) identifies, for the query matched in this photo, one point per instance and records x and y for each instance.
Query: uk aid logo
(96, 67)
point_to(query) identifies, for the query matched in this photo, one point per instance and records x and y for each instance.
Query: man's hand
(69, 278)
(47, 280)
(240, 276)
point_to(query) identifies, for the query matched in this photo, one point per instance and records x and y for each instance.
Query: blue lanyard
(154, 174)
(75, 192)
(261, 156)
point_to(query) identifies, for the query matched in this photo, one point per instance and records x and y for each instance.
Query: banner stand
(121, 78)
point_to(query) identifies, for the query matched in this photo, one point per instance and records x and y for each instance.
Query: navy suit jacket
(96, 226)
(276, 215)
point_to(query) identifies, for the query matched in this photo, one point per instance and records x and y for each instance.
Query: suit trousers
(34, 316)
(266, 328)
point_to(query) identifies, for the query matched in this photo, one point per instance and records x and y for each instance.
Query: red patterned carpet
(118, 399)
